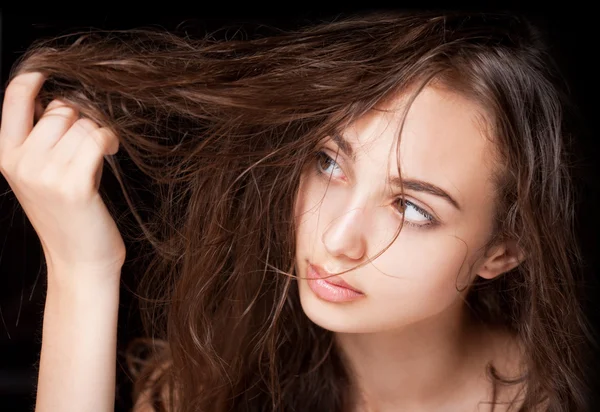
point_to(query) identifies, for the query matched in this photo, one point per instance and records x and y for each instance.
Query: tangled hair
(224, 129)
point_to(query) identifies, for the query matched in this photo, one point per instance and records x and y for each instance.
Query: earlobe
(503, 259)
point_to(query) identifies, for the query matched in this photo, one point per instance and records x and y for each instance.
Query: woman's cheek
(422, 268)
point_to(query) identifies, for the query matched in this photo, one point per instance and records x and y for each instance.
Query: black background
(573, 37)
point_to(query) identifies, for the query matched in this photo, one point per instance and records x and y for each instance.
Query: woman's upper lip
(334, 280)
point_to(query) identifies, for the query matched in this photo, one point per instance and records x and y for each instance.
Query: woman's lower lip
(328, 291)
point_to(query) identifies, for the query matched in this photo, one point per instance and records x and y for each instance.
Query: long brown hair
(224, 129)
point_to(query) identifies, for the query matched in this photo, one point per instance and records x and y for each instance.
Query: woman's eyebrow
(409, 184)
(344, 146)
(425, 187)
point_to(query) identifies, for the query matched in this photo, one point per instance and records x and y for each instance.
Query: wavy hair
(224, 128)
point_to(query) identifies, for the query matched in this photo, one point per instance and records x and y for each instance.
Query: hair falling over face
(225, 129)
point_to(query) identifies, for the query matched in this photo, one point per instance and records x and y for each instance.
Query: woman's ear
(501, 259)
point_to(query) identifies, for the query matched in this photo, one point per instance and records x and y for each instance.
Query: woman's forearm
(79, 338)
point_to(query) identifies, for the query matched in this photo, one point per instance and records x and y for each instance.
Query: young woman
(369, 214)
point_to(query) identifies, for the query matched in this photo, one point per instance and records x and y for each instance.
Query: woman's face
(347, 211)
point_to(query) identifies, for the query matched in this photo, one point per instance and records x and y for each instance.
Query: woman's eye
(413, 214)
(326, 165)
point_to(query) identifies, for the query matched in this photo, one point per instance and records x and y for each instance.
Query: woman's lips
(332, 289)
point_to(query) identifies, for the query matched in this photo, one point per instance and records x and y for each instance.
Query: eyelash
(321, 155)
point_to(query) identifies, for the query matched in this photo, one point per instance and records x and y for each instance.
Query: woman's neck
(413, 367)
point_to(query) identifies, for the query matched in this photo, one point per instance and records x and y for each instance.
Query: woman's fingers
(67, 147)
(56, 120)
(18, 109)
(89, 158)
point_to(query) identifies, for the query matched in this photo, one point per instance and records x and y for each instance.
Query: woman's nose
(344, 236)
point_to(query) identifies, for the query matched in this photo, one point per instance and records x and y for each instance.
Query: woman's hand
(54, 169)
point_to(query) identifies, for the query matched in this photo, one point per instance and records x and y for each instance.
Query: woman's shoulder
(493, 352)
(149, 394)
(508, 353)
(508, 357)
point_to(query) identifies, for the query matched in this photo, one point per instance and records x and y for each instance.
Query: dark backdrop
(573, 36)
